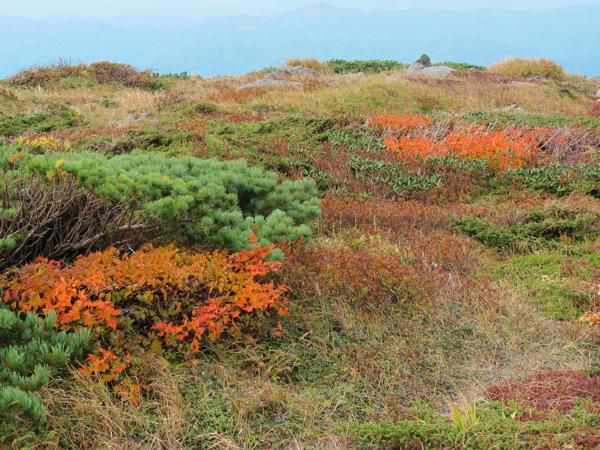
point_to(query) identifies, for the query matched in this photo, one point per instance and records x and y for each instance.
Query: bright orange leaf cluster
(405, 122)
(503, 149)
(154, 292)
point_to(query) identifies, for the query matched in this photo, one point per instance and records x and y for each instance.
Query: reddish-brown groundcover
(551, 390)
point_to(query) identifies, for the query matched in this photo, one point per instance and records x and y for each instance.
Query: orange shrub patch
(503, 150)
(181, 297)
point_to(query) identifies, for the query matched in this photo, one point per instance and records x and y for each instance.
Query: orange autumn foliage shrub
(502, 149)
(131, 301)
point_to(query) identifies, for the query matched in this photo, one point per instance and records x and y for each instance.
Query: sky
(211, 8)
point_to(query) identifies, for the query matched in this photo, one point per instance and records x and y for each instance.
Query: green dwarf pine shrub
(539, 228)
(31, 351)
(194, 200)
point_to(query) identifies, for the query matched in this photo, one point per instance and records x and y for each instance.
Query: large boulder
(598, 94)
(294, 71)
(438, 71)
(267, 83)
(420, 64)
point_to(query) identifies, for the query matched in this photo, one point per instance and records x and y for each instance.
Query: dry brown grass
(85, 414)
(311, 63)
(526, 68)
(397, 94)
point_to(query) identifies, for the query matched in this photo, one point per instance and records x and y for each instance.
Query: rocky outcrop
(268, 83)
(438, 71)
(422, 66)
(294, 71)
(280, 78)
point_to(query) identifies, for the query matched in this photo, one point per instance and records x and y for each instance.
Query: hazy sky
(202, 8)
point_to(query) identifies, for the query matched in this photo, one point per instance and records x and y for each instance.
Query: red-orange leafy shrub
(414, 137)
(509, 149)
(131, 300)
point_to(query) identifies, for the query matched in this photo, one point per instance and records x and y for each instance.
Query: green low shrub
(202, 108)
(285, 145)
(31, 352)
(55, 118)
(366, 66)
(361, 139)
(487, 426)
(561, 285)
(460, 65)
(506, 119)
(559, 179)
(171, 141)
(400, 179)
(192, 200)
(538, 229)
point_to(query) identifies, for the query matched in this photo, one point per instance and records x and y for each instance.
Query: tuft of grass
(365, 66)
(526, 68)
(497, 427)
(561, 286)
(311, 63)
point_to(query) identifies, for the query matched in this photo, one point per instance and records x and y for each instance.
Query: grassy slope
(354, 357)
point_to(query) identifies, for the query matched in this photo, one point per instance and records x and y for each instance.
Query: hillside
(343, 255)
(237, 45)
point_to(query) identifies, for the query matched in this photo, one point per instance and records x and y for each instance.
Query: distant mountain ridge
(236, 45)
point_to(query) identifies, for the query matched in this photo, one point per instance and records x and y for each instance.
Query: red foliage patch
(391, 215)
(552, 390)
(374, 280)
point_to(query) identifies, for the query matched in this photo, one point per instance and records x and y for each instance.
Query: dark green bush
(285, 145)
(367, 66)
(202, 108)
(538, 228)
(193, 200)
(164, 140)
(31, 352)
(55, 118)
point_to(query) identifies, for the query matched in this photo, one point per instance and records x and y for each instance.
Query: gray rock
(438, 71)
(135, 117)
(598, 94)
(415, 67)
(267, 83)
(513, 108)
(294, 71)
(420, 64)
